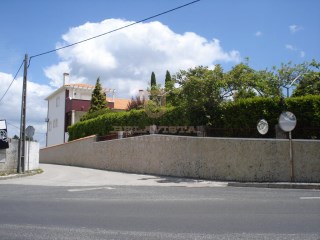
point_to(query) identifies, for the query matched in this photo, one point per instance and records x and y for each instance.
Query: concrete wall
(197, 157)
(9, 157)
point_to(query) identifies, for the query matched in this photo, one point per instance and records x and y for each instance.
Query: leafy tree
(15, 137)
(244, 82)
(98, 99)
(201, 92)
(310, 82)
(290, 74)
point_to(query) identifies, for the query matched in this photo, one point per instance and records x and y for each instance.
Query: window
(57, 101)
(50, 126)
(55, 123)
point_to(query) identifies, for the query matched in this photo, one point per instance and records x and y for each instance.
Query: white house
(68, 104)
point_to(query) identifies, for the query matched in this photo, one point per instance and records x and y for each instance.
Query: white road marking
(89, 189)
(307, 198)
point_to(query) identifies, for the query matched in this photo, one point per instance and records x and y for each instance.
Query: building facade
(67, 105)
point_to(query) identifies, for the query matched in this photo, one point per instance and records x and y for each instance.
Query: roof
(119, 103)
(80, 85)
(74, 85)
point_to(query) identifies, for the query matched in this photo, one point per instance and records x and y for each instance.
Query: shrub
(230, 119)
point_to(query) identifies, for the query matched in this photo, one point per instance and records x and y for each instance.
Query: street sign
(30, 131)
(4, 143)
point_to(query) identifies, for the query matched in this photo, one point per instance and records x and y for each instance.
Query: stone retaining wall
(228, 159)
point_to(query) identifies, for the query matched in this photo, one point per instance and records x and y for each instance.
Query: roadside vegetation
(228, 103)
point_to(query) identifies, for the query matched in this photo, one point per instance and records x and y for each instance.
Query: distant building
(68, 104)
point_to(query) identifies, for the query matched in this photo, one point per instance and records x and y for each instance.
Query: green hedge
(232, 119)
(307, 111)
(104, 123)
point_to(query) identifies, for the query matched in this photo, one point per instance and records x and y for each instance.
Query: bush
(231, 119)
(307, 111)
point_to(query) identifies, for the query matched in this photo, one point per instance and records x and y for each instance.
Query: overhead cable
(12, 82)
(114, 30)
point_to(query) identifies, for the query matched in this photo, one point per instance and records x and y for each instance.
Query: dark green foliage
(307, 111)
(98, 99)
(15, 137)
(95, 114)
(240, 118)
(231, 119)
(309, 85)
(103, 124)
(168, 82)
(229, 103)
(153, 82)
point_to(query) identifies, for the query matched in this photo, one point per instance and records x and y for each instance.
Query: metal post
(22, 140)
(291, 157)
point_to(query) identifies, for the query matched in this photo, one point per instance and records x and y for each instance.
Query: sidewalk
(59, 175)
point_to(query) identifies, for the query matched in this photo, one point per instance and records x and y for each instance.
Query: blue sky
(269, 32)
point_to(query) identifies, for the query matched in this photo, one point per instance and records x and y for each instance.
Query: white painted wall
(9, 157)
(80, 93)
(56, 112)
(56, 116)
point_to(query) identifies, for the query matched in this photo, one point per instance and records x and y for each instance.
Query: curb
(276, 185)
(20, 175)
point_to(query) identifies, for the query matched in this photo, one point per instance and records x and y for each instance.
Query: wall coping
(79, 139)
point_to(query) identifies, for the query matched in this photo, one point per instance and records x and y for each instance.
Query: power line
(114, 30)
(13, 125)
(19, 128)
(11, 82)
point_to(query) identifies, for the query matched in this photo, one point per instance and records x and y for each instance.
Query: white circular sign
(30, 131)
(262, 126)
(287, 121)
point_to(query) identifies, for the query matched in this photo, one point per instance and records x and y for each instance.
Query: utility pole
(22, 140)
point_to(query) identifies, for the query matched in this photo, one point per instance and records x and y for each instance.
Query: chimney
(65, 78)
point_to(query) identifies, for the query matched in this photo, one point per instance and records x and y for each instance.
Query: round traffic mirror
(287, 121)
(262, 127)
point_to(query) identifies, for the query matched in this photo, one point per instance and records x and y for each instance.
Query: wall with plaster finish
(228, 159)
(9, 157)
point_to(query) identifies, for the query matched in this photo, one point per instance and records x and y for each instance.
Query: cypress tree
(153, 81)
(98, 99)
(168, 83)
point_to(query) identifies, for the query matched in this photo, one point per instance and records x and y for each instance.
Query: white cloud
(258, 34)
(10, 106)
(295, 49)
(291, 47)
(125, 59)
(295, 28)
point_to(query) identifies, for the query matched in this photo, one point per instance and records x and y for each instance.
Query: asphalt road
(149, 207)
